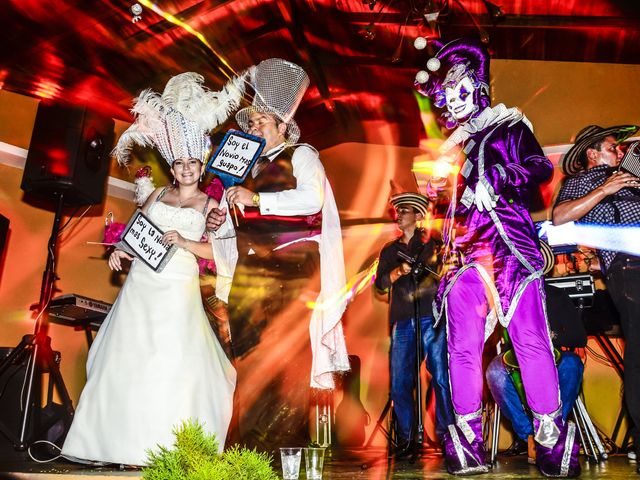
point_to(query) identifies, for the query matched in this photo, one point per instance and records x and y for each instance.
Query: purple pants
(467, 309)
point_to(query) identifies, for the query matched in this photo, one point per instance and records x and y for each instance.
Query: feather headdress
(177, 122)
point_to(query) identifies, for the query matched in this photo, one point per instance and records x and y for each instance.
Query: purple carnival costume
(495, 272)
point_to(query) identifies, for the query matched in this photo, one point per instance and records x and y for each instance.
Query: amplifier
(580, 288)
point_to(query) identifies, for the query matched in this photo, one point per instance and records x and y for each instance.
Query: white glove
(484, 200)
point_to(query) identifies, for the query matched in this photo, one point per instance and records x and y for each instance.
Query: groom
(290, 229)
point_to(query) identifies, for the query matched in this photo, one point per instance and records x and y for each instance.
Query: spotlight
(495, 11)
(368, 32)
(370, 3)
(397, 54)
(136, 12)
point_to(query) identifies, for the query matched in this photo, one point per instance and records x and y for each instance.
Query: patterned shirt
(621, 208)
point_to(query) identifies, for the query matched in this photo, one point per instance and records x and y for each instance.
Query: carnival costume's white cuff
(463, 423)
(548, 432)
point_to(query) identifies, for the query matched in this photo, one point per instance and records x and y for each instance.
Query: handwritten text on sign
(144, 240)
(236, 154)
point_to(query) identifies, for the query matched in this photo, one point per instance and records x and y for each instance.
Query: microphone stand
(41, 359)
(419, 436)
(418, 269)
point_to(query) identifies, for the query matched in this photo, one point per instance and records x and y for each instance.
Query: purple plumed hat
(453, 61)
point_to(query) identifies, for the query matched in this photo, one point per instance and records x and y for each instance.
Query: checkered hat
(279, 87)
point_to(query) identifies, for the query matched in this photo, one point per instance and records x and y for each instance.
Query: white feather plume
(144, 188)
(186, 94)
(148, 109)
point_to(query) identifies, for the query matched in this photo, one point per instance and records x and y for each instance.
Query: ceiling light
(370, 3)
(495, 11)
(368, 32)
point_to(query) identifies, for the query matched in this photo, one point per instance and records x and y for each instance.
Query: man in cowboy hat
(398, 278)
(290, 226)
(597, 193)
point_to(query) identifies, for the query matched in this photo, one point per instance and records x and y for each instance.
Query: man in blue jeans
(411, 259)
(567, 331)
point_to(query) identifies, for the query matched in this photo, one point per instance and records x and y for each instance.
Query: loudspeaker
(52, 416)
(68, 154)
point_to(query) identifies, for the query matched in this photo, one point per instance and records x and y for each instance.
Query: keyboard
(75, 310)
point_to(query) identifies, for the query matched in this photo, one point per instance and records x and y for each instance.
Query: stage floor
(343, 467)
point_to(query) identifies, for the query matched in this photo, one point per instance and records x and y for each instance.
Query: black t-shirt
(402, 291)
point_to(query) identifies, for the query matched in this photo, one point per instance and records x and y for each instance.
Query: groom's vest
(269, 231)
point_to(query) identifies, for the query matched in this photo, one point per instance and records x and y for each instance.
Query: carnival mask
(460, 99)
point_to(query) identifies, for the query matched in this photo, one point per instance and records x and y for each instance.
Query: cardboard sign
(144, 240)
(234, 157)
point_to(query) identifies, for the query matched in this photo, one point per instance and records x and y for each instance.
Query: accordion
(631, 160)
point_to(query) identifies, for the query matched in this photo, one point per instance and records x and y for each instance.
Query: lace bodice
(189, 222)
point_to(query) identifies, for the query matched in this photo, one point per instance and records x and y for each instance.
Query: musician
(394, 275)
(597, 193)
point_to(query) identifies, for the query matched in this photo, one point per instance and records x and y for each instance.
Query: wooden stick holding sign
(144, 240)
(233, 159)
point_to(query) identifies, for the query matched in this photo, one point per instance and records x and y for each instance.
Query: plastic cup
(313, 461)
(290, 462)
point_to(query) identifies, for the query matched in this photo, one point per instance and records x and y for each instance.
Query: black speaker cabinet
(51, 421)
(69, 154)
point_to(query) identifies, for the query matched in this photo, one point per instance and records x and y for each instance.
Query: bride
(155, 361)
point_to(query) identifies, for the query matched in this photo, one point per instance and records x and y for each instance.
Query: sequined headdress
(279, 86)
(177, 122)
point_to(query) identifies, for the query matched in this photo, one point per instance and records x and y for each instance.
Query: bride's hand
(115, 259)
(172, 237)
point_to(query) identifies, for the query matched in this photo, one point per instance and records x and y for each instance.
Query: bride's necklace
(181, 202)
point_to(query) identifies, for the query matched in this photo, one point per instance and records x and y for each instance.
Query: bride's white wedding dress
(155, 360)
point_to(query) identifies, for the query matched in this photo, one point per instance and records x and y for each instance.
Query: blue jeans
(403, 374)
(506, 396)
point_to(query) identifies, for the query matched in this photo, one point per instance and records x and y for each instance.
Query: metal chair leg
(597, 448)
(495, 432)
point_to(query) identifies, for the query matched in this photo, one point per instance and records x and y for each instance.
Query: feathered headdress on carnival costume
(177, 122)
(279, 87)
(463, 57)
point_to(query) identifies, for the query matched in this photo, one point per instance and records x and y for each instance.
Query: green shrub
(195, 457)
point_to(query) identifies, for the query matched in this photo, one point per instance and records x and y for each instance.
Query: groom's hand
(215, 218)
